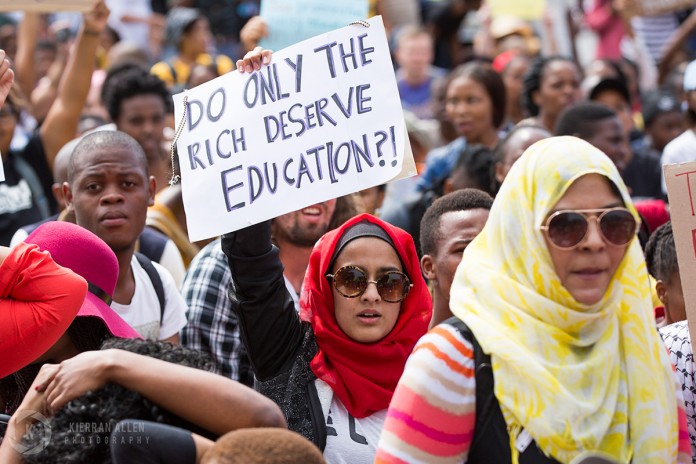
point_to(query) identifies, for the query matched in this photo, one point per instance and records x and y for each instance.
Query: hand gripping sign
(322, 120)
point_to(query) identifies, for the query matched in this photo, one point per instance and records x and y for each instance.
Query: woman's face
(199, 36)
(367, 318)
(560, 87)
(586, 270)
(513, 77)
(470, 109)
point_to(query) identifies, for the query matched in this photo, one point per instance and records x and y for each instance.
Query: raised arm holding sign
(322, 120)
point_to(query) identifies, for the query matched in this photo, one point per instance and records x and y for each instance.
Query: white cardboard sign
(322, 120)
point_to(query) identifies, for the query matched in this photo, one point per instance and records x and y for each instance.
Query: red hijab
(363, 375)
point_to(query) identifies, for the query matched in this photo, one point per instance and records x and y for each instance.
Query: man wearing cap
(683, 148)
(642, 172)
(662, 118)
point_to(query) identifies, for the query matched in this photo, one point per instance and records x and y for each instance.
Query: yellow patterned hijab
(580, 379)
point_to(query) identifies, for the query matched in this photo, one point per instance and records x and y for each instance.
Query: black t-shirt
(151, 443)
(643, 175)
(17, 203)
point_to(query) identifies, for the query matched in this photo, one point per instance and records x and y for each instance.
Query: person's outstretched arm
(207, 400)
(27, 37)
(270, 326)
(60, 125)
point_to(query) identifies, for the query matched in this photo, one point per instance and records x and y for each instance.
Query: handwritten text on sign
(681, 188)
(322, 120)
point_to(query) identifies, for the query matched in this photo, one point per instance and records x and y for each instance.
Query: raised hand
(253, 60)
(95, 20)
(6, 77)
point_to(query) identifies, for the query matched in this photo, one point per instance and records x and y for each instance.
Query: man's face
(665, 128)
(457, 230)
(415, 54)
(304, 227)
(142, 117)
(610, 137)
(110, 194)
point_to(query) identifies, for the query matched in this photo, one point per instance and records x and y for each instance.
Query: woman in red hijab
(332, 369)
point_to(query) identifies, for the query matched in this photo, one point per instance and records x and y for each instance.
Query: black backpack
(155, 278)
(491, 442)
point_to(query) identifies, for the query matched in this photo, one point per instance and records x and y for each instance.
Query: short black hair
(476, 161)
(610, 85)
(99, 139)
(130, 80)
(460, 200)
(532, 80)
(581, 119)
(484, 74)
(661, 253)
(500, 150)
(101, 410)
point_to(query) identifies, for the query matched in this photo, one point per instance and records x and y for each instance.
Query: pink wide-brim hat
(87, 255)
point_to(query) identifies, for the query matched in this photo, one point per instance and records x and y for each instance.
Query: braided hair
(661, 253)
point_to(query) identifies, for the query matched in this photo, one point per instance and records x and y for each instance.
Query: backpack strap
(491, 442)
(170, 63)
(27, 172)
(486, 402)
(155, 278)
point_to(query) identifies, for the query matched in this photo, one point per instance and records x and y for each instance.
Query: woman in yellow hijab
(553, 355)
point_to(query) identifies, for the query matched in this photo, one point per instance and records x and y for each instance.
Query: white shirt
(680, 150)
(143, 312)
(348, 440)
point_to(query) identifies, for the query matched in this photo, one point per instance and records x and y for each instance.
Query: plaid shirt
(212, 326)
(678, 342)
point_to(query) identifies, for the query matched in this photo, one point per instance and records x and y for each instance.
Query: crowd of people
(518, 300)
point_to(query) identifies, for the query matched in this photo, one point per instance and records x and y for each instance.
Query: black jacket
(279, 344)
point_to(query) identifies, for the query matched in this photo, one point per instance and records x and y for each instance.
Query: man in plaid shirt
(212, 326)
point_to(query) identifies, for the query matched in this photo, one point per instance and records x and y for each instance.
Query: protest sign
(681, 188)
(322, 120)
(291, 21)
(631, 8)
(46, 6)
(524, 9)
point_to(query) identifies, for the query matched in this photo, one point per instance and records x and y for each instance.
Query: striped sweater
(432, 415)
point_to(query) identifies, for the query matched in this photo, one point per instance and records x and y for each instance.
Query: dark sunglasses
(351, 282)
(567, 229)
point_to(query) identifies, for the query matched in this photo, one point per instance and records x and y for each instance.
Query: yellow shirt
(176, 72)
